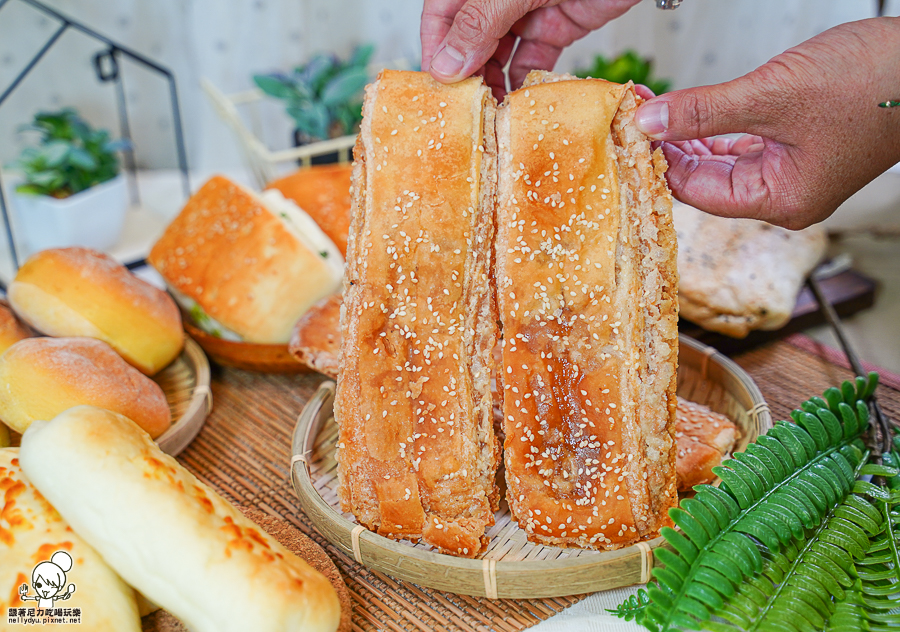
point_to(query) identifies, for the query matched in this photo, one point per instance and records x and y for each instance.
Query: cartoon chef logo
(49, 581)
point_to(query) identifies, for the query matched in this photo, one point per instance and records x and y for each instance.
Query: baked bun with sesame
(586, 286)
(704, 438)
(246, 266)
(41, 377)
(82, 292)
(11, 330)
(417, 452)
(316, 341)
(168, 535)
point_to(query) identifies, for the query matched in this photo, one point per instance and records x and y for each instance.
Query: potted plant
(324, 97)
(627, 66)
(72, 193)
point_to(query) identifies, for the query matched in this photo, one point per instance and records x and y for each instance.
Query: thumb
(473, 37)
(699, 112)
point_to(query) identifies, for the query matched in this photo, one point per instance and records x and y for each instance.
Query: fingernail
(652, 118)
(448, 63)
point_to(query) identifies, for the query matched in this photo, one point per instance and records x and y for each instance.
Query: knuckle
(697, 112)
(473, 22)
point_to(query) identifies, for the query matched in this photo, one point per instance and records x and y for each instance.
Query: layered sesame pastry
(704, 438)
(417, 453)
(586, 286)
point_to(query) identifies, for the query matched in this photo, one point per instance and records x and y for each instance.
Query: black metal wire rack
(107, 67)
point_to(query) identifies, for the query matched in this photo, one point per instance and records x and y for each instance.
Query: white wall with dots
(705, 41)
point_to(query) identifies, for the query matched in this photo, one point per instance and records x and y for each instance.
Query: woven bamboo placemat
(244, 451)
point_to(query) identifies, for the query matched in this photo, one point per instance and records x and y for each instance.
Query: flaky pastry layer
(585, 267)
(417, 453)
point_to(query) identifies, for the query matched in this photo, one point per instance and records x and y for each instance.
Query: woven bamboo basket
(250, 356)
(511, 567)
(186, 385)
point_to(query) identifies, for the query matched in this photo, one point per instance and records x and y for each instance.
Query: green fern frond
(782, 485)
(795, 590)
(633, 607)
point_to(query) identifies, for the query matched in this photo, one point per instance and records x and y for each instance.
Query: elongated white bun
(82, 292)
(167, 534)
(31, 531)
(253, 263)
(42, 377)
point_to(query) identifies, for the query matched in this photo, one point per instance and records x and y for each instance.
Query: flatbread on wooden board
(738, 275)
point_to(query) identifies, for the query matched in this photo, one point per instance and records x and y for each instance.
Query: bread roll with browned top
(42, 377)
(31, 531)
(11, 330)
(167, 534)
(82, 292)
(246, 266)
(586, 285)
(417, 452)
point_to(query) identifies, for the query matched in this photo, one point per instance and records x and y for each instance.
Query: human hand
(814, 132)
(465, 37)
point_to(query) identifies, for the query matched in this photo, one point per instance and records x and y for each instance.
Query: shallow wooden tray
(511, 567)
(186, 385)
(249, 356)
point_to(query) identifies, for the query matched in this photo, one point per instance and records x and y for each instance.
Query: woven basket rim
(489, 578)
(179, 435)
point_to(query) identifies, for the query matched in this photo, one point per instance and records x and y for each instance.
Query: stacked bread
(584, 289)
(108, 331)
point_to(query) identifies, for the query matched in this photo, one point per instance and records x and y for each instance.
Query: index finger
(437, 18)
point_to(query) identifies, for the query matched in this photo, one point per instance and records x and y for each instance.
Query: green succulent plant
(324, 96)
(628, 66)
(70, 157)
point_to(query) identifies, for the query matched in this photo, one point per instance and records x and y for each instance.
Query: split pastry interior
(586, 285)
(417, 454)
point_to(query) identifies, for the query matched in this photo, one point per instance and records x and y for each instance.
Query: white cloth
(590, 615)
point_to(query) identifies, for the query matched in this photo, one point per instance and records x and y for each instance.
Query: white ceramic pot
(92, 218)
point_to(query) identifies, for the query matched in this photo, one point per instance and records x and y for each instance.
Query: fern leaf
(785, 483)
(801, 594)
(633, 607)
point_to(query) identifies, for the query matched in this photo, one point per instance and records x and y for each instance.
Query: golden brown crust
(306, 549)
(31, 531)
(82, 292)
(324, 193)
(588, 368)
(316, 341)
(42, 377)
(417, 454)
(168, 534)
(11, 330)
(704, 438)
(241, 263)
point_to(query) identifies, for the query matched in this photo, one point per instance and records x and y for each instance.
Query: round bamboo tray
(250, 356)
(512, 567)
(186, 385)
